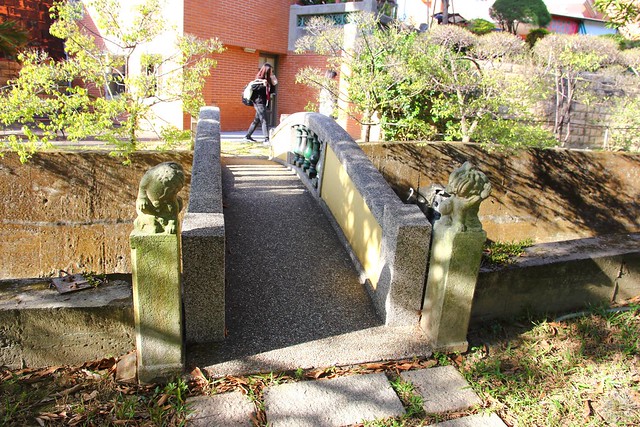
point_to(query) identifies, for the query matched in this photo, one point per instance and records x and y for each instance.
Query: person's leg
(254, 123)
(261, 114)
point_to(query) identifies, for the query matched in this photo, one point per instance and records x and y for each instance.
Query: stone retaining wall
(546, 195)
(71, 211)
(561, 277)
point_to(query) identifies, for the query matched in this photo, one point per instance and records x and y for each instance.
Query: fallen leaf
(162, 399)
(40, 421)
(90, 396)
(71, 390)
(375, 366)
(404, 366)
(587, 410)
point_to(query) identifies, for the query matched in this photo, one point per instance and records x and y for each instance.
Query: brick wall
(34, 17)
(254, 25)
(8, 70)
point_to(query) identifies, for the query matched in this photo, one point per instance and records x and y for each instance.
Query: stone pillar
(454, 263)
(453, 273)
(155, 260)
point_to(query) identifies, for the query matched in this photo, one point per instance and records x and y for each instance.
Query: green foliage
(500, 253)
(410, 398)
(377, 62)
(12, 38)
(622, 14)
(567, 58)
(623, 42)
(481, 26)
(624, 125)
(535, 35)
(446, 81)
(58, 107)
(509, 13)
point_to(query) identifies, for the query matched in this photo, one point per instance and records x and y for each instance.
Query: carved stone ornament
(158, 203)
(468, 187)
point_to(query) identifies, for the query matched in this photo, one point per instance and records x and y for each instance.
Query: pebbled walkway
(294, 299)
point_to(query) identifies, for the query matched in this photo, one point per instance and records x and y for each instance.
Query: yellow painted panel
(353, 215)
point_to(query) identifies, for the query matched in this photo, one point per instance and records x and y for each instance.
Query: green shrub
(535, 35)
(481, 26)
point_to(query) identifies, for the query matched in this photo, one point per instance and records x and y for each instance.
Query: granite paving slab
(443, 389)
(226, 409)
(331, 403)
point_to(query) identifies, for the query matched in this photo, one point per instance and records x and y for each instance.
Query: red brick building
(252, 32)
(32, 16)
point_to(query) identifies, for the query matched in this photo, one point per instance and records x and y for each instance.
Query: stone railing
(387, 239)
(203, 231)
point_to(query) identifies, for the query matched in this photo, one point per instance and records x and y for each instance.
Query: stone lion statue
(468, 187)
(158, 203)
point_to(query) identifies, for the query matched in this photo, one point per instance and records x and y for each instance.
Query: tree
(481, 26)
(372, 65)
(474, 95)
(11, 38)
(510, 13)
(414, 85)
(623, 14)
(63, 92)
(569, 59)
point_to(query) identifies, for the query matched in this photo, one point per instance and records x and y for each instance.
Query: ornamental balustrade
(307, 149)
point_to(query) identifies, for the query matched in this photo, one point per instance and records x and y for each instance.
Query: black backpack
(247, 92)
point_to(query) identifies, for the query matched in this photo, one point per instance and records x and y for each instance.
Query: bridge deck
(293, 298)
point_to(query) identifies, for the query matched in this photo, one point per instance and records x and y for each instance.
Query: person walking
(261, 98)
(327, 100)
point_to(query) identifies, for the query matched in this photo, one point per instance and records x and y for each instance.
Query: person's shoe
(266, 142)
(248, 138)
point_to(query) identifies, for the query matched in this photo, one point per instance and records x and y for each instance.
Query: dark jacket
(259, 95)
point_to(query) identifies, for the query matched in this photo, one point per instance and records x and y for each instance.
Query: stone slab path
(344, 401)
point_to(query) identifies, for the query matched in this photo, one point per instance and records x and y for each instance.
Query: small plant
(502, 253)
(481, 26)
(411, 400)
(441, 358)
(95, 279)
(535, 35)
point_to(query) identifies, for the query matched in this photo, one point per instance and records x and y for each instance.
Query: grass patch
(579, 372)
(236, 148)
(502, 253)
(582, 371)
(87, 395)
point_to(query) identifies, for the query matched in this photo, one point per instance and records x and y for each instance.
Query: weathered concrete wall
(561, 277)
(546, 195)
(40, 327)
(71, 211)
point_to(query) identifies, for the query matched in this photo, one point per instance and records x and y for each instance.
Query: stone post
(456, 252)
(155, 261)
(453, 272)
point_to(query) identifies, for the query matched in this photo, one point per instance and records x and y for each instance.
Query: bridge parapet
(387, 239)
(203, 231)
